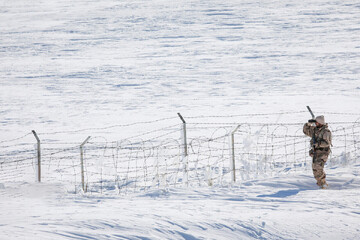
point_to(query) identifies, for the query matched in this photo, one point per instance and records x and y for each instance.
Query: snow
(275, 208)
(120, 71)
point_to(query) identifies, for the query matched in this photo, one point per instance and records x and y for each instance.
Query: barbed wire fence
(201, 151)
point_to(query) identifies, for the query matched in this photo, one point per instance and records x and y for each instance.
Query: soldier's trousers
(318, 167)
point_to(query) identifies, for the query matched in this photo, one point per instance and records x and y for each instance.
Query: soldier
(321, 143)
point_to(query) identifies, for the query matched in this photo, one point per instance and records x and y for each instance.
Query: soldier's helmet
(320, 119)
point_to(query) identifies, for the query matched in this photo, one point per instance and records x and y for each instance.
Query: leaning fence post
(82, 163)
(38, 169)
(185, 150)
(184, 135)
(232, 163)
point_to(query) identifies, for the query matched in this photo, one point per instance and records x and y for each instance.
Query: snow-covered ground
(67, 66)
(275, 208)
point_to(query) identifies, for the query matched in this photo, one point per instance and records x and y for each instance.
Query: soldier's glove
(312, 121)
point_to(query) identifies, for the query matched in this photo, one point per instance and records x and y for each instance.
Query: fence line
(156, 159)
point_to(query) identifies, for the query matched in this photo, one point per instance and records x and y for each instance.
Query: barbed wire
(109, 127)
(16, 139)
(224, 124)
(157, 156)
(244, 115)
(343, 114)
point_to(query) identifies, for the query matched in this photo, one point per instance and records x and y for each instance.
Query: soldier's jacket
(322, 137)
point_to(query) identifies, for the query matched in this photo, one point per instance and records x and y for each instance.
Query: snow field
(275, 208)
(68, 66)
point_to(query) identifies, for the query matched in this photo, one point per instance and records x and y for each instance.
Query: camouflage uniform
(322, 149)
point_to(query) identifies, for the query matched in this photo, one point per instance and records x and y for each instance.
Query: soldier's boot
(318, 182)
(323, 184)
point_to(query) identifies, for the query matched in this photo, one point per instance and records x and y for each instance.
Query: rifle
(313, 140)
